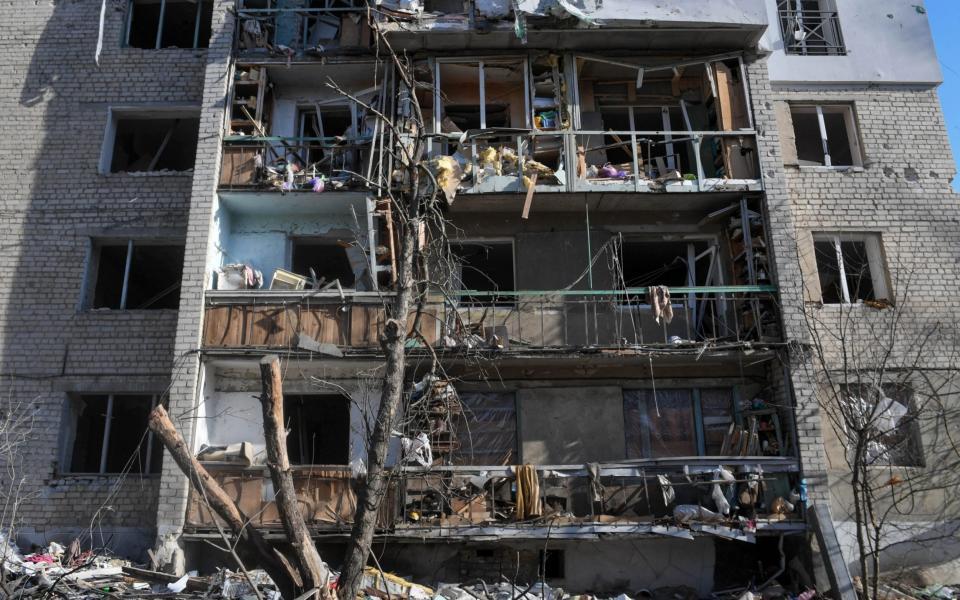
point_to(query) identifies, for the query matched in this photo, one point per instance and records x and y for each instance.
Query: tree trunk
(311, 566)
(284, 575)
(374, 487)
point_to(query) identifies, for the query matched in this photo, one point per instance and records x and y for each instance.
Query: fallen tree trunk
(312, 568)
(284, 575)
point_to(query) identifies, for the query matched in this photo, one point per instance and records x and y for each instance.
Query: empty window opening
(154, 144)
(552, 564)
(481, 95)
(136, 274)
(850, 268)
(318, 429)
(673, 264)
(826, 136)
(110, 434)
(484, 266)
(677, 422)
(332, 125)
(326, 259)
(169, 23)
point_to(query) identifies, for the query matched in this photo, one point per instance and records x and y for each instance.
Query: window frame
(878, 270)
(92, 268)
(696, 405)
(131, 4)
(159, 112)
(850, 122)
(66, 451)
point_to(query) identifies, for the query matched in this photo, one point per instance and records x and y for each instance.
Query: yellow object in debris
(489, 157)
(395, 586)
(531, 166)
(448, 173)
(526, 182)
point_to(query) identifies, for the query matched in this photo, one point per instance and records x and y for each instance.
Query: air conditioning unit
(285, 280)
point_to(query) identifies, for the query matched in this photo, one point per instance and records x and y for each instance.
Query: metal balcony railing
(291, 31)
(626, 161)
(608, 318)
(294, 163)
(812, 33)
(498, 321)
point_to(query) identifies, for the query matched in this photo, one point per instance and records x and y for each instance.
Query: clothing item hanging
(658, 296)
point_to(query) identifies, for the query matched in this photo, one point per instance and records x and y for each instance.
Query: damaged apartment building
(642, 201)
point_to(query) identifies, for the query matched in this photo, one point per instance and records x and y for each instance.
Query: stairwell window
(850, 268)
(128, 274)
(155, 24)
(826, 135)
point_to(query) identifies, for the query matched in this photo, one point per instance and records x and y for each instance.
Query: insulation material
(686, 513)
(448, 173)
(487, 431)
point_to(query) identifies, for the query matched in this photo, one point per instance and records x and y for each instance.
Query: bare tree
(887, 384)
(16, 432)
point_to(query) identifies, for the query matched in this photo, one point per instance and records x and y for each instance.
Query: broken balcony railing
(812, 32)
(293, 30)
(621, 161)
(294, 163)
(608, 318)
(499, 321)
(625, 497)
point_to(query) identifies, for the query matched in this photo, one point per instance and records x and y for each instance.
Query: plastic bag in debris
(357, 468)
(889, 413)
(417, 450)
(685, 513)
(236, 586)
(718, 494)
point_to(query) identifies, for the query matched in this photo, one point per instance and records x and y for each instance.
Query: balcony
(811, 33)
(310, 29)
(507, 322)
(475, 502)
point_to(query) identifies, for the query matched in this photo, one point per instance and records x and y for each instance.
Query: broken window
(662, 262)
(810, 27)
(676, 422)
(826, 135)
(135, 275)
(484, 266)
(890, 423)
(151, 143)
(850, 268)
(482, 94)
(486, 431)
(335, 126)
(326, 259)
(108, 434)
(169, 23)
(318, 429)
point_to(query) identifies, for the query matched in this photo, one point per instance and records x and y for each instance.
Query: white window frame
(92, 271)
(131, 6)
(67, 456)
(849, 119)
(878, 272)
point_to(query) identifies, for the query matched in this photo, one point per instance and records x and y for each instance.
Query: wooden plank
(223, 326)
(365, 325)
(529, 200)
(325, 323)
(270, 326)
